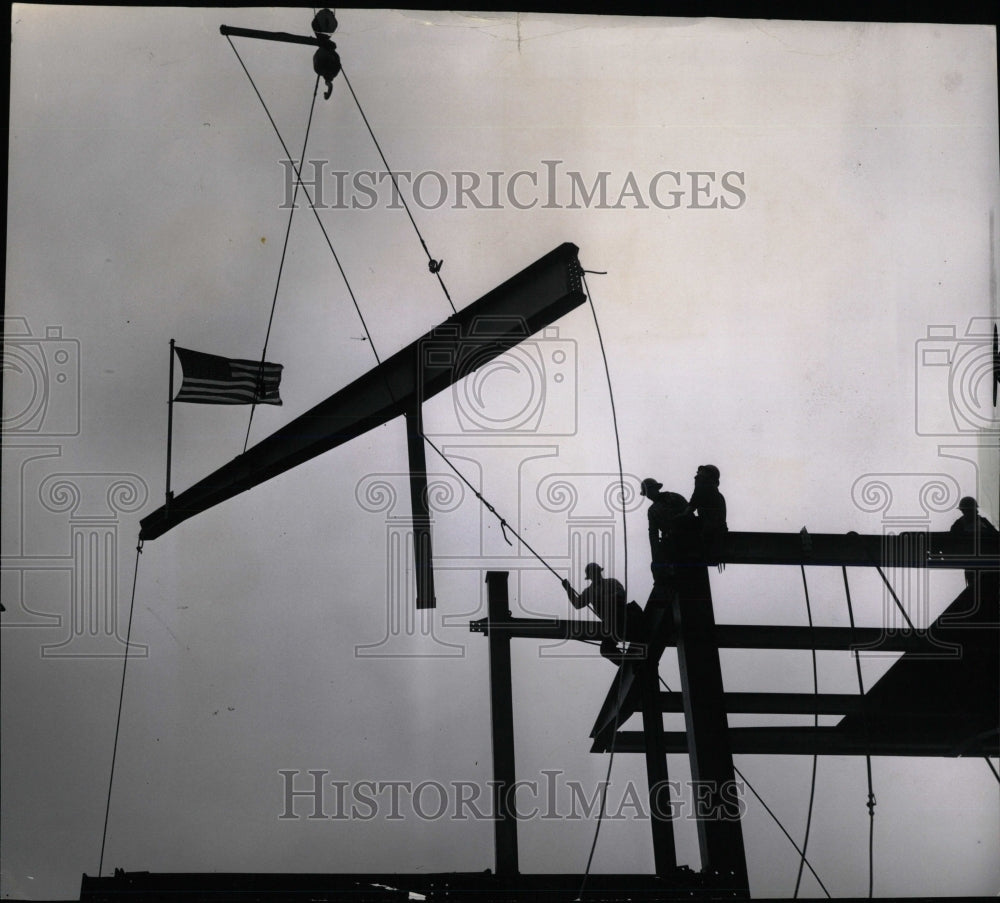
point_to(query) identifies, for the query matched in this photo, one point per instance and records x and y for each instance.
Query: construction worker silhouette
(973, 525)
(972, 522)
(705, 515)
(606, 597)
(663, 513)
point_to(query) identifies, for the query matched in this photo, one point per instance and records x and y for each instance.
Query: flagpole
(170, 420)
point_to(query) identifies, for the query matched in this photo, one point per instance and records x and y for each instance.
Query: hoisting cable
(868, 759)
(281, 267)
(504, 525)
(996, 774)
(767, 808)
(312, 206)
(621, 487)
(121, 697)
(433, 265)
(812, 784)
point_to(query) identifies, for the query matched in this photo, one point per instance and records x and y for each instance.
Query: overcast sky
(833, 192)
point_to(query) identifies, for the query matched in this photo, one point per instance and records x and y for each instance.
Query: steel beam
(423, 562)
(720, 834)
(776, 703)
(935, 640)
(768, 636)
(808, 741)
(916, 549)
(660, 815)
(533, 299)
(502, 725)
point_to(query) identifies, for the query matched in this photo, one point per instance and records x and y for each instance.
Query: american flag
(210, 379)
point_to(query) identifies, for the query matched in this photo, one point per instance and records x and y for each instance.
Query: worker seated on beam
(974, 526)
(702, 528)
(972, 523)
(606, 597)
(663, 513)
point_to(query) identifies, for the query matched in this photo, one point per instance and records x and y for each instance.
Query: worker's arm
(654, 534)
(574, 596)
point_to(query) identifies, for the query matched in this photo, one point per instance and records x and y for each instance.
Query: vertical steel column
(170, 422)
(423, 567)
(664, 853)
(502, 719)
(717, 807)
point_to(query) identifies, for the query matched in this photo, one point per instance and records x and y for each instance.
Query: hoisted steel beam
(423, 568)
(524, 304)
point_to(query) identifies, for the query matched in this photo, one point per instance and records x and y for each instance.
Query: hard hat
(649, 485)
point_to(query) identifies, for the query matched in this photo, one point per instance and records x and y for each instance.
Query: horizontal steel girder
(823, 741)
(914, 549)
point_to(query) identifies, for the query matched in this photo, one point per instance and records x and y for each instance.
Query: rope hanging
(312, 206)
(121, 698)
(433, 265)
(618, 675)
(868, 759)
(812, 783)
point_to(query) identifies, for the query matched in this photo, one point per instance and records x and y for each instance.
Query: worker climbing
(326, 60)
(606, 597)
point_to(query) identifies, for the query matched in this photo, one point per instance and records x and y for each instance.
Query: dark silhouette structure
(940, 699)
